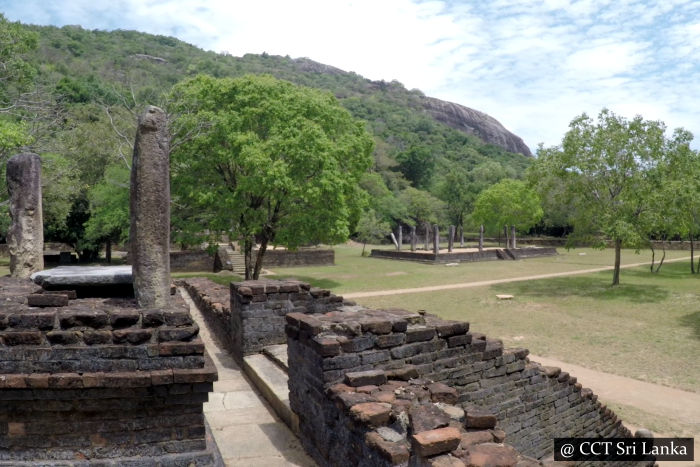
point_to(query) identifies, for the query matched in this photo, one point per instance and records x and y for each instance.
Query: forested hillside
(75, 95)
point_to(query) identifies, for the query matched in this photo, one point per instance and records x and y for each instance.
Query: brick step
(271, 380)
(278, 354)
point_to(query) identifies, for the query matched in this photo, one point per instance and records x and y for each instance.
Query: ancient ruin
(391, 387)
(25, 238)
(150, 210)
(88, 380)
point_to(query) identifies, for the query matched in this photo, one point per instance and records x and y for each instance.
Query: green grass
(647, 328)
(223, 277)
(354, 273)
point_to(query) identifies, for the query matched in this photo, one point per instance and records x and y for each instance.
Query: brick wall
(532, 404)
(300, 257)
(100, 379)
(191, 261)
(258, 310)
(250, 315)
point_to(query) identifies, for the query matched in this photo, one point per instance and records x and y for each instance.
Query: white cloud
(533, 65)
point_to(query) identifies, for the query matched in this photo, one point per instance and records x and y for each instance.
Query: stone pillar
(512, 236)
(436, 239)
(25, 238)
(400, 239)
(413, 238)
(150, 210)
(461, 236)
(481, 237)
(451, 240)
(427, 236)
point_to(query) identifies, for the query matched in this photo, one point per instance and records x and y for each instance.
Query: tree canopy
(266, 160)
(607, 170)
(508, 202)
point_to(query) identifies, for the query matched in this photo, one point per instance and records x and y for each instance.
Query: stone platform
(101, 380)
(88, 281)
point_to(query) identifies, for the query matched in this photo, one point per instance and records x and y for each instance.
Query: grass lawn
(354, 273)
(647, 328)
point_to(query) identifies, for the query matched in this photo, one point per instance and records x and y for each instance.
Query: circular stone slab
(83, 276)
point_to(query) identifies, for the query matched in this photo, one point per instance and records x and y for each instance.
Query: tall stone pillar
(413, 238)
(512, 236)
(149, 242)
(451, 240)
(436, 239)
(400, 239)
(461, 236)
(25, 238)
(427, 235)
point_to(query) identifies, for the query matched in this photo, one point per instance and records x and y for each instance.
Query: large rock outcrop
(476, 123)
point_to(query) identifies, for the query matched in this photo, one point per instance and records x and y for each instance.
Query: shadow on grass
(597, 287)
(692, 320)
(314, 281)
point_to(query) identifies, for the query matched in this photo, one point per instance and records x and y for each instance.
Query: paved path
(245, 428)
(465, 285)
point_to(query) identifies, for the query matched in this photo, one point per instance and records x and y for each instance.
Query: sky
(532, 65)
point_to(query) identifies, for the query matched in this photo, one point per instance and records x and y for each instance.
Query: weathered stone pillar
(400, 239)
(461, 236)
(481, 237)
(413, 238)
(436, 239)
(427, 235)
(451, 240)
(150, 210)
(512, 236)
(25, 238)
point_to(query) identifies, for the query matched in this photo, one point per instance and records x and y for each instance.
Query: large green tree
(605, 166)
(268, 161)
(508, 203)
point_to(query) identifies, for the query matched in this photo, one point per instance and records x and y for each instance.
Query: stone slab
(83, 276)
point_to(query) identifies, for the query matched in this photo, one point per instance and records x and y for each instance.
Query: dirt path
(466, 285)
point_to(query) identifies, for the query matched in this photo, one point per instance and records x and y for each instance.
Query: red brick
(396, 453)
(430, 443)
(371, 413)
(490, 454)
(440, 392)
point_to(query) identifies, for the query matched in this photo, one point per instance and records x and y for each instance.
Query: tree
(606, 167)
(267, 161)
(370, 229)
(508, 203)
(417, 164)
(109, 209)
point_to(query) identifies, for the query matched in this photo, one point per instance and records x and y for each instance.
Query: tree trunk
(363, 248)
(692, 254)
(248, 257)
(461, 236)
(616, 271)
(259, 259)
(512, 236)
(481, 237)
(653, 254)
(108, 251)
(663, 256)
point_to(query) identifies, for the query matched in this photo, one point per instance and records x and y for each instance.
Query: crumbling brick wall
(532, 404)
(100, 379)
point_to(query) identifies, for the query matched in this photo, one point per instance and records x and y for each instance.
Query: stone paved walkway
(245, 428)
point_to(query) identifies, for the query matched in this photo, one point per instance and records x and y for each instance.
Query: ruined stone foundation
(100, 382)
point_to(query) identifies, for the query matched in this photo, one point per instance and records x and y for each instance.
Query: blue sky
(533, 65)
